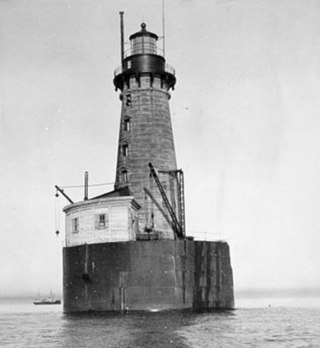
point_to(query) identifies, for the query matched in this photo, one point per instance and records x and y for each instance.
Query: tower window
(126, 125)
(128, 100)
(125, 150)
(101, 221)
(124, 176)
(75, 225)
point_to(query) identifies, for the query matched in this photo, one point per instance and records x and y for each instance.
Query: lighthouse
(145, 81)
(128, 249)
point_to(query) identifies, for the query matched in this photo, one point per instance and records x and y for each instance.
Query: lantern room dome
(143, 32)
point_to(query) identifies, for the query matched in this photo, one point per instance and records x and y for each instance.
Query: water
(283, 322)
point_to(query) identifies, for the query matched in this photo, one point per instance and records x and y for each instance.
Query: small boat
(46, 301)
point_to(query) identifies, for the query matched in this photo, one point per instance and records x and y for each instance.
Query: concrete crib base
(147, 275)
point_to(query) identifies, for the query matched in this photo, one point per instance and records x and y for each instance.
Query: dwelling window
(125, 150)
(75, 225)
(124, 176)
(129, 64)
(126, 125)
(101, 221)
(128, 100)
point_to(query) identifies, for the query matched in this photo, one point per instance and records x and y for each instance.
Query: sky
(245, 114)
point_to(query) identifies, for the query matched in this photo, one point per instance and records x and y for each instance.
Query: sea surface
(257, 322)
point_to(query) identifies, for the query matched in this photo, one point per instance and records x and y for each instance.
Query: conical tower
(145, 80)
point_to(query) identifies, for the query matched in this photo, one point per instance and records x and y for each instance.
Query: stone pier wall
(148, 275)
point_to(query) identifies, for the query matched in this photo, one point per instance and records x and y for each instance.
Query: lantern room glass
(143, 44)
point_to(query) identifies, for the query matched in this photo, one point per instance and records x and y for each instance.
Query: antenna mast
(163, 29)
(122, 37)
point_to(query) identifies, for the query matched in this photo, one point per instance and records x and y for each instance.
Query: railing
(206, 236)
(168, 68)
(118, 71)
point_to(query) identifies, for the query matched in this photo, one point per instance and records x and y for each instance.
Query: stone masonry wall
(145, 136)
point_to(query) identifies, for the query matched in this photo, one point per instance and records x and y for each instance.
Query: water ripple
(281, 327)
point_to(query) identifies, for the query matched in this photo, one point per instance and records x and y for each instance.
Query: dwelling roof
(121, 192)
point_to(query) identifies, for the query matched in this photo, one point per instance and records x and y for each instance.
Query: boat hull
(147, 275)
(46, 303)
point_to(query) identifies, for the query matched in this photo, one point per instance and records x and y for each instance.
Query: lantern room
(143, 42)
(143, 59)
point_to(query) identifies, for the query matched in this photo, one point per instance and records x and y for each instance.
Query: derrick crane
(175, 224)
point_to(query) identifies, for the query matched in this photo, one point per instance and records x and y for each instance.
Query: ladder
(181, 202)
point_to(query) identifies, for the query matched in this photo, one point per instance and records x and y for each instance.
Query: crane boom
(62, 192)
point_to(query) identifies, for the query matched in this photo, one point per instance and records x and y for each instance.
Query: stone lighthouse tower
(145, 80)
